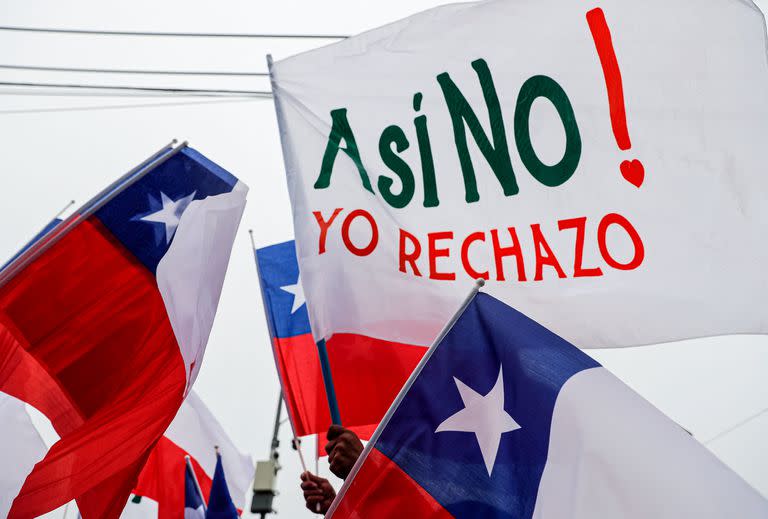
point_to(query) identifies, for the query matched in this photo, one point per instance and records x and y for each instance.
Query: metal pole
(272, 333)
(87, 210)
(197, 483)
(403, 391)
(330, 391)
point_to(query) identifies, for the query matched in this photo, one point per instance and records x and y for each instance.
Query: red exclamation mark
(631, 170)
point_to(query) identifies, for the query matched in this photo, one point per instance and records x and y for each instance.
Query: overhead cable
(93, 32)
(131, 106)
(188, 91)
(736, 426)
(134, 71)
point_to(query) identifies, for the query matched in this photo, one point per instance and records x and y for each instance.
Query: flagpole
(194, 478)
(321, 347)
(295, 441)
(69, 204)
(479, 283)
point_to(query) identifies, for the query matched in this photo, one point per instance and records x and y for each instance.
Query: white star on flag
(483, 415)
(170, 214)
(298, 294)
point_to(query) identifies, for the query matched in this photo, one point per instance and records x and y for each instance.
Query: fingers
(334, 431)
(309, 485)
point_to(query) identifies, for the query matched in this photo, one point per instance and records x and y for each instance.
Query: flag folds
(506, 419)
(105, 320)
(599, 167)
(367, 373)
(196, 433)
(220, 504)
(20, 448)
(194, 506)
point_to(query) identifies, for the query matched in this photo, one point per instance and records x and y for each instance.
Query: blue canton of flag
(193, 501)
(482, 407)
(164, 195)
(282, 289)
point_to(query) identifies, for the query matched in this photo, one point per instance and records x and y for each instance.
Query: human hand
(318, 492)
(343, 448)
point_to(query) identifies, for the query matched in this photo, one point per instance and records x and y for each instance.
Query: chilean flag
(367, 373)
(196, 433)
(104, 323)
(504, 419)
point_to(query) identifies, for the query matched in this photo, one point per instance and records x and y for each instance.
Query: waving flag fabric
(196, 433)
(366, 373)
(194, 507)
(600, 166)
(104, 323)
(48, 228)
(220, 504)
(505, 419)
(20, 448)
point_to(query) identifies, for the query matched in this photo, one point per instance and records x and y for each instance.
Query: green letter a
(340, 130)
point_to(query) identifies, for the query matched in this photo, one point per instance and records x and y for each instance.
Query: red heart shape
(633, 172)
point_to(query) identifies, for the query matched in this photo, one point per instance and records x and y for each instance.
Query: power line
(128, 94)
(119, 107)
(189, 91)
(172, 34)
(134, 71)
(736, 426)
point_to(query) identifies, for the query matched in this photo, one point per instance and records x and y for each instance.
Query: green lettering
(543, 86)
(395, 135)
(425, 153)
(340, 130)
(497, 154)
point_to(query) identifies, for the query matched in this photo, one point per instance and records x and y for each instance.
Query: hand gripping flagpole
(479, 283)
(194, 478)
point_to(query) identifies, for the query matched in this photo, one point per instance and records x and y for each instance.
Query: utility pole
(264, 490)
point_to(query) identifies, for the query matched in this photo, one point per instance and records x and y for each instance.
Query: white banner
(601, 164)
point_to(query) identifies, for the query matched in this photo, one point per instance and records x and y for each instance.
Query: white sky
(52, 157)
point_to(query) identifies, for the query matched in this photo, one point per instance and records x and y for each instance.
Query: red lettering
(549, 259)
(324, 226)
(499, 253)
(617, 219)
(413, 256)
(472, 238)
(435, 253)
(578, 254)
(365, 251)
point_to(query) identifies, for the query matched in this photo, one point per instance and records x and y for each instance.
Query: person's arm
(343, 448)
(318, 492)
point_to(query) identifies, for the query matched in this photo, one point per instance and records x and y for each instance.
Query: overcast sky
(53, 156)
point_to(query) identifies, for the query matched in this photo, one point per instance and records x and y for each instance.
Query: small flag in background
(508, 420)
(194, 508)
(366, 378)
(294, 348)
(194, 432)
(220, 504)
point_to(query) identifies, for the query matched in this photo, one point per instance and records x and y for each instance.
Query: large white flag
(600, 164)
